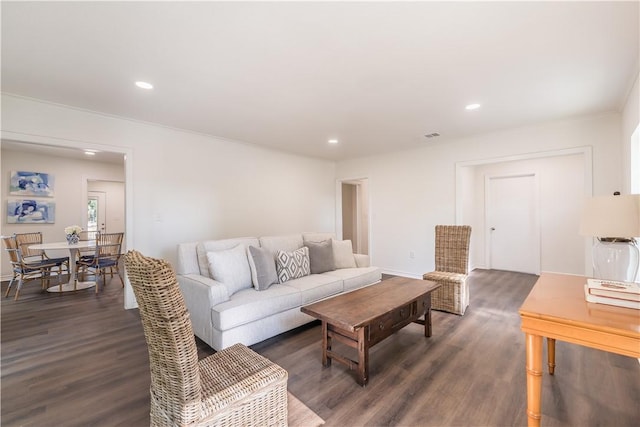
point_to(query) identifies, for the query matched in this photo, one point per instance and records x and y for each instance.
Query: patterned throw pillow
(291, 265)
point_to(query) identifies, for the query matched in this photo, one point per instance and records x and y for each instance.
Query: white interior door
(96, 206)
(512, 223)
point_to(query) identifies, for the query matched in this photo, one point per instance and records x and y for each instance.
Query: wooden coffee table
(364, 317)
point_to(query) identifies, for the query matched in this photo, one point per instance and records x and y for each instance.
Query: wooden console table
(556, 309)
(364, 317)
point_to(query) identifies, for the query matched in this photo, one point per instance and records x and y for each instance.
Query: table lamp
(615, 223)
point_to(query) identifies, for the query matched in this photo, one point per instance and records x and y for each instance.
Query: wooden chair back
(24, 240)
(11, 247)
(88, 235)
(108, 246)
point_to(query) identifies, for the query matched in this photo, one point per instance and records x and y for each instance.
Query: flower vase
(73, 239)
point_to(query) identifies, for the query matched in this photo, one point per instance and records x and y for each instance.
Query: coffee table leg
(427, 322)
(363, 356)
(326, 344)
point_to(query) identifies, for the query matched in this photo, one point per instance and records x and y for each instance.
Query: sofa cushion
(355, 278)
(316, 287)
(231, 268)
(263, 268)
(249, 305)
(219, 245)
(287, 243)
(320, 256)
(291, 265)
(343, 254)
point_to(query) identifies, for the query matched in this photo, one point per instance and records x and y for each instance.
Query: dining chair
(106, 256)
(232, 387)
(37, 256)
(84, 235)
(23, 271)
(451, 269)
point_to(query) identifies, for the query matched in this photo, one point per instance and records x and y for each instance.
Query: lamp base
(616, 259)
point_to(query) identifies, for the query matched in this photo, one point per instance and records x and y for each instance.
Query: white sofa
(227, 308)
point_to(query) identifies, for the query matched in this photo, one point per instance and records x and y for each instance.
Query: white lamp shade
(611, 216)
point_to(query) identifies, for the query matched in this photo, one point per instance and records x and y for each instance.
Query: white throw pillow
(343, 254)
(231, 268)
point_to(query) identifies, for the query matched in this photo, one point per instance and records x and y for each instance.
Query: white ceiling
(290, 75)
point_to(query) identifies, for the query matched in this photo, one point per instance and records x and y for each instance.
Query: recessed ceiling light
(90, 153)
(144, 85)
(333, 141)
(472, 106)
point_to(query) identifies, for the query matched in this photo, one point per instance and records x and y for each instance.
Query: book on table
(611, 292)
(614, 289)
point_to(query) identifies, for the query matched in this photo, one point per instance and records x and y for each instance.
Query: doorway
(355, 214)
(96, 211)
(512, 223)
(105, 206)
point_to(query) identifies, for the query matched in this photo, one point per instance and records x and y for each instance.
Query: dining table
(74, 248)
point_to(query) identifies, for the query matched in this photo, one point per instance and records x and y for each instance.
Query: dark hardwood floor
(81, 360)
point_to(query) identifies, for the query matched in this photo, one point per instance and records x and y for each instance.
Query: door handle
(493, 229)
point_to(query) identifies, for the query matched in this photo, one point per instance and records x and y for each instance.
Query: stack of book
(621, 294)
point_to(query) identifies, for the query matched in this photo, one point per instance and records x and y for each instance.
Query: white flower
(73, 229)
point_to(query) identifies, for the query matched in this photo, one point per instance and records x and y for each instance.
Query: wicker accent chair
(452, 269)
(233, 387)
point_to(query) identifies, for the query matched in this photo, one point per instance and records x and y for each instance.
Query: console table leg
(534, 378)
(551, 355)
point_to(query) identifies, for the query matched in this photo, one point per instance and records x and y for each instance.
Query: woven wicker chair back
(452, 248)
(173, 356)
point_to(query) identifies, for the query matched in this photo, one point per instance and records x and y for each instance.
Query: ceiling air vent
(432, 135)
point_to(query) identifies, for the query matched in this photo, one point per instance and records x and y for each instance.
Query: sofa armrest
(362, 260)
(200, 295)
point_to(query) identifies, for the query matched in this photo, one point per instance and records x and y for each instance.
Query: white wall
(186, 186)
(630, 124)
(412, 191)
(70, 198)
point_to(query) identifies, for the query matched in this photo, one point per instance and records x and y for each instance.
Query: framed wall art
(23, 183)
(31, 211)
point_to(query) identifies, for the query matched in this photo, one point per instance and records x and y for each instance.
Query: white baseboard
(401, 273)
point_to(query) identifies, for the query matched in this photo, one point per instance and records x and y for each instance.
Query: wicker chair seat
(443, 276)
(235, 379)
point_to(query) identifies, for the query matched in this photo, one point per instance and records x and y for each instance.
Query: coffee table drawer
(395, 320)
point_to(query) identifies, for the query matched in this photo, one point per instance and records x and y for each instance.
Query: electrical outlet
(412, 254)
